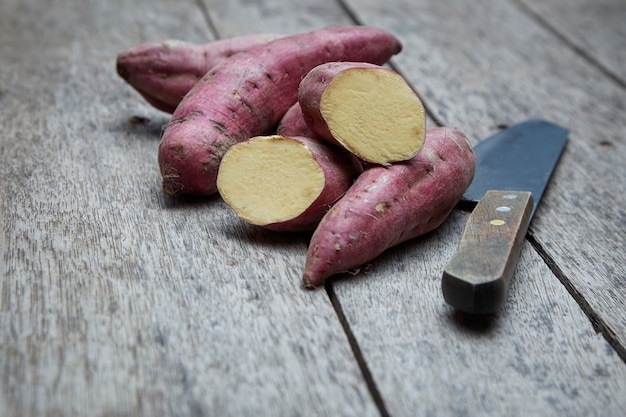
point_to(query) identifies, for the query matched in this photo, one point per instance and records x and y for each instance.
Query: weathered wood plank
(595, 28)
(479, 65)
(115, 300)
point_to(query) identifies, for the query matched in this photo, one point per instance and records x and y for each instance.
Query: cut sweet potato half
(368, 109)
(285, 183)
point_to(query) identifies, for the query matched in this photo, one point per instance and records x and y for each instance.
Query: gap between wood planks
(207, 18)
(356, 350)
(527, 10)
(597, 323)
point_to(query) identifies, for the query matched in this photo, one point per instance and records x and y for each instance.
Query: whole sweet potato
(389, 205)
(368, 109)
(164, 71)
(285, 183)
(247, 95)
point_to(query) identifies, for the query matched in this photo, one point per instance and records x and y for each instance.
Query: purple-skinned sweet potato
(293, 123)
(368, 109)
(248, 94)
(389, 205)
(164, 71)
(285, 183)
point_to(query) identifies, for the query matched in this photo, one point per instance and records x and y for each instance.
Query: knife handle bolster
(477, 278)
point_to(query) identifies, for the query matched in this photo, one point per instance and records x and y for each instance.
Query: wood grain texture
(115, 300)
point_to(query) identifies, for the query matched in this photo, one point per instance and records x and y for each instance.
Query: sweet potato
(389, 205)
(247, 95)
(293, 124)
(368, 109)
(164, 71)
(285, 183)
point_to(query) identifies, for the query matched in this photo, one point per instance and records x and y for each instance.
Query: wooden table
(116, 300)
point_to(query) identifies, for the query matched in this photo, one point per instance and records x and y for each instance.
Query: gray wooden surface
(116, 300)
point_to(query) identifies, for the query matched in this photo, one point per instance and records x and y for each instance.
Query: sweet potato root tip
(164, 71)
(389, 205)
(284, 183)
(306, 282)
(122, 69)
(368, 109)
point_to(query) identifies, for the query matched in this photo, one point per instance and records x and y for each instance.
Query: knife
(513, 168)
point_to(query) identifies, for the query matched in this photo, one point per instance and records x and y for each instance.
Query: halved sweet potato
(285, 183)
(368, 109)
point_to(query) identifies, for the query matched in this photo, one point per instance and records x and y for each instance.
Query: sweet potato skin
(248, 94)
(293, 123)
(389, 205)
(164, 71)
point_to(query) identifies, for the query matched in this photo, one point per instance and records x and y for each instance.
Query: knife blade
(513, 169)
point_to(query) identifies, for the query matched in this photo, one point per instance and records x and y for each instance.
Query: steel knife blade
(513, 168)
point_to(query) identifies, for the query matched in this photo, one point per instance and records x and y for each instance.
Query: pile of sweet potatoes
(306, 132)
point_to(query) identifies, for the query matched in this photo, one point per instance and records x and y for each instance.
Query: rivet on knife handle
(477, 278)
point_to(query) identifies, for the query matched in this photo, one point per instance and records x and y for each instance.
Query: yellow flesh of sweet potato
(291, 180)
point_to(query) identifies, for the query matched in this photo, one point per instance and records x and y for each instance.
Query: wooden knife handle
(477, 278)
